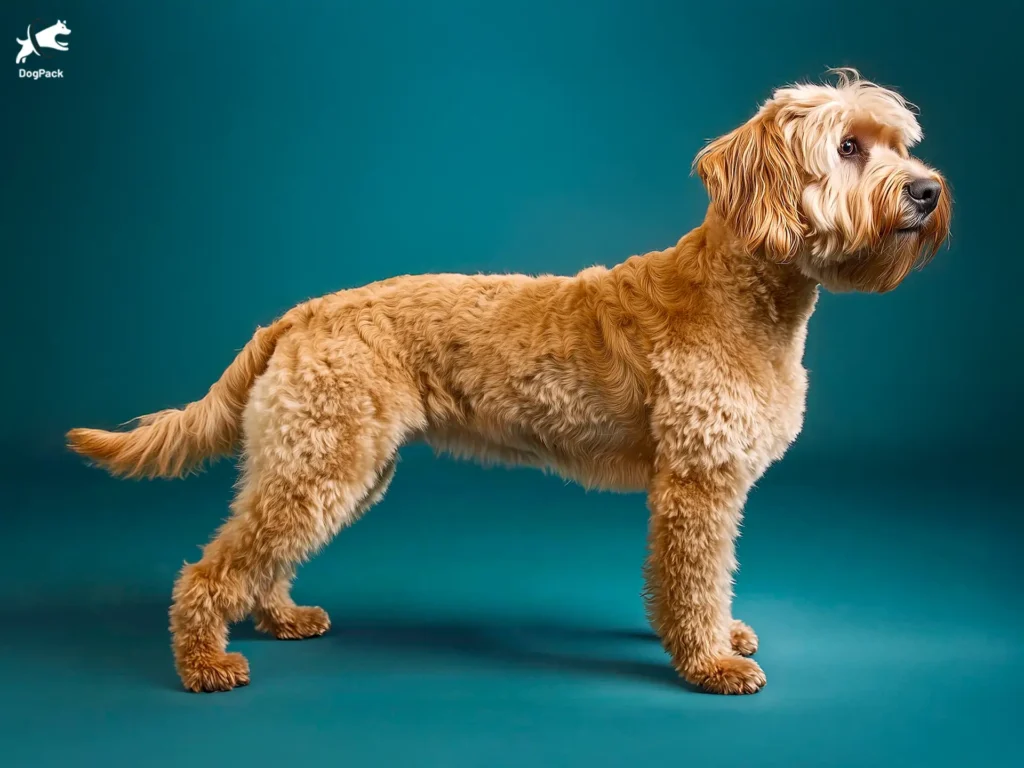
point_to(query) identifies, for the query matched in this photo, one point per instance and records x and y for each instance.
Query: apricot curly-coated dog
(677, 373)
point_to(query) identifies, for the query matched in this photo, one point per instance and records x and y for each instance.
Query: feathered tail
(170, 443)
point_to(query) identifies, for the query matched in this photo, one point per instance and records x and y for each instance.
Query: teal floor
(492, 618)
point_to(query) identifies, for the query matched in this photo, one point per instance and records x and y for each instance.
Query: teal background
(204, 166)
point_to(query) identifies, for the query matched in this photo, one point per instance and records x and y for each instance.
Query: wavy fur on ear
(754, 182)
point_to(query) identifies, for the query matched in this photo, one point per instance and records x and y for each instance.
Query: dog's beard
(883, 243)
(873, 271)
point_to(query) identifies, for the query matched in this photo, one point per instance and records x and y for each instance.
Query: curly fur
(677, 373)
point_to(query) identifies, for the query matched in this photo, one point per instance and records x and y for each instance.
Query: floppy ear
(754, 183)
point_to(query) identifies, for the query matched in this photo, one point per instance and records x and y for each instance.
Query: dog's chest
(715, 411)
(782, 415)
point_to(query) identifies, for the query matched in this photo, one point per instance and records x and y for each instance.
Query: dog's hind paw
(743, 639)
(294, 622)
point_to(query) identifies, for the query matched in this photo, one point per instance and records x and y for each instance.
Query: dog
(676, 373)
(46, 38)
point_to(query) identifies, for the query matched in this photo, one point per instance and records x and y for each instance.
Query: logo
(38, 43)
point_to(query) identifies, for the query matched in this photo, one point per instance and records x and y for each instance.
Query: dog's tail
(173, 442)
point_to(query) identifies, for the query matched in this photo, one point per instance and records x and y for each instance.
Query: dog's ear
(755, 184)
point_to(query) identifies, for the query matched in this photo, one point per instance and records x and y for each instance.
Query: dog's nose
(924, 195)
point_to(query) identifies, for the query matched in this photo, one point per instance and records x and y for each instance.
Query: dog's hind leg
(318, 440)
(277, 614)
(281, 517)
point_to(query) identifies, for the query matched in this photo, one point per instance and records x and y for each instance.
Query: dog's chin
(878, 269)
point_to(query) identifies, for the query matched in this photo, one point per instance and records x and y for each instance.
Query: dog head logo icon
(44, 38)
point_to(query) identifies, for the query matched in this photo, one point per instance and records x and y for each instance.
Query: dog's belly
(551, 412)
(622, 464)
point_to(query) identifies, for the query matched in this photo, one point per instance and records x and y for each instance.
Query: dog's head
(822, 177)
(60, 28)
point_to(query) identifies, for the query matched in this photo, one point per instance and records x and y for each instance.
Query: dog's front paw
(743, 639)
(206, 673)
(729, 675)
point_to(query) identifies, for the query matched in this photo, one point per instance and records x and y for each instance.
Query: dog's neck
(782, 291)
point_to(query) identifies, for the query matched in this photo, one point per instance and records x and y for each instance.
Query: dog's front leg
(694, 521)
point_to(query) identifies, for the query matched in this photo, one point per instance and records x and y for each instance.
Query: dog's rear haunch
(677, 373)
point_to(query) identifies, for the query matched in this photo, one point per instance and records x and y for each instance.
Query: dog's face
(822, 177)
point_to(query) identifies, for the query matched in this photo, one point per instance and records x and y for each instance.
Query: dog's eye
(849, 147)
